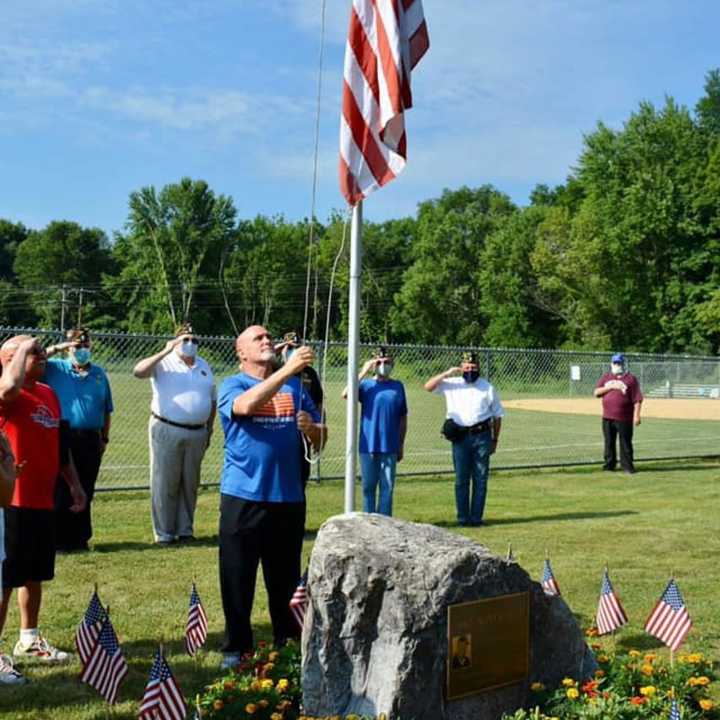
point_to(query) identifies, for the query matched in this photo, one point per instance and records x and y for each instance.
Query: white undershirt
(182, 394)
(469, 403)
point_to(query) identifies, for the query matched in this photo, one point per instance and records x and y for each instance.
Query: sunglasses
(192, 340)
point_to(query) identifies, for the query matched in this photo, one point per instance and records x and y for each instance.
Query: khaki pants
(175, 458)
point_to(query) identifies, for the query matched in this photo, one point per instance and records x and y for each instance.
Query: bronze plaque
(488, 644)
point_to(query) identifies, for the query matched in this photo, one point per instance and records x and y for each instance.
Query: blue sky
(101, 97)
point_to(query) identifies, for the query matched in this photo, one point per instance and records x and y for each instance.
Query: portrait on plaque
(488, 644)
(462, 651)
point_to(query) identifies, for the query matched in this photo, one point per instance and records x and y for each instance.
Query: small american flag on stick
(669, 621)
(106, 666)
(549, 582)
(299, 601)
(610, 613)
(89, 629)
(163, 699)
(674, 710)
(197, 625)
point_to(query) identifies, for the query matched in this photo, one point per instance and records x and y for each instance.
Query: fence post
(488, 363)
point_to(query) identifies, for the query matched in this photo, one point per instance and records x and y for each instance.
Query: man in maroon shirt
(621, 401)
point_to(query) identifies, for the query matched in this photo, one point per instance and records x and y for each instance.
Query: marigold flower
(634, 653)
(251, 708)
(603, 658)
(599, 673)
(638, 700)
(650, 657)
(273, 656)
(647, 669)
(537, 687)
(590, 686)
(706, 704)
(282, 685)
(255, 685)
(263, 703)
(568, 682)
(229, 685)
(268, 667)
(596, 646)
(572, 693)
(218, 705)
(276, 716)
(266, 684)
(694, 658)
(592, 632)
(648, 691)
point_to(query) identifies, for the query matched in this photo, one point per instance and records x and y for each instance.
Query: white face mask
(616, 369)
(384, 370)
(188, 349)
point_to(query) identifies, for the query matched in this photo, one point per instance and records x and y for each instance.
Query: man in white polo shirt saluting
(182, 413)
(473, 425)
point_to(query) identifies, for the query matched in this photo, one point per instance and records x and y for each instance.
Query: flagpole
(353, 340)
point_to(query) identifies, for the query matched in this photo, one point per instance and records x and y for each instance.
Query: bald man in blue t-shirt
(262, 499)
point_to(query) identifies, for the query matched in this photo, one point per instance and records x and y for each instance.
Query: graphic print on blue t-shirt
(262, 451)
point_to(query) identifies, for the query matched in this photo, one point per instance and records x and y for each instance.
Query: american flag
(106, 666)
(674, 711)
(549, 582)
(299, 601)
(669, 621)
(386, 39)
(163, 699)
(89, 629)
(610, 613)
(197, 625)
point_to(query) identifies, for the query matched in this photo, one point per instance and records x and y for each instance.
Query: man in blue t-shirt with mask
(474, 413)
(262, 499)
(382, 431)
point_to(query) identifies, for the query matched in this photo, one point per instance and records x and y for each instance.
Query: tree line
(624, 254)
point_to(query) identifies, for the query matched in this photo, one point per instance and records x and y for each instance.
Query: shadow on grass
(542, 518)
(208, 541)
(639, 641)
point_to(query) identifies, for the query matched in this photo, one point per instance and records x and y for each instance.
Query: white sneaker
(8, 674)
(40, 650)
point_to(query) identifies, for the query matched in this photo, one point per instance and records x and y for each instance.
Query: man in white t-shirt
(182, 413)
(473, 425)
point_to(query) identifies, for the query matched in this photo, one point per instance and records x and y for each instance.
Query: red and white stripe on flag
(386, 39)
(670, 621)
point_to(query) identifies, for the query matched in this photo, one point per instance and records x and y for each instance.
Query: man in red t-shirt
(30, 418)
(621, 401)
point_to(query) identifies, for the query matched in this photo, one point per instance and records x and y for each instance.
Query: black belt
(176, 424)
(84, 432)
(479, 428)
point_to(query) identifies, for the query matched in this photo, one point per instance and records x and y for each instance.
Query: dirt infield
(652, 407)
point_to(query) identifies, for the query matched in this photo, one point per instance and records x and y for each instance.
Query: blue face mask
(82, 356)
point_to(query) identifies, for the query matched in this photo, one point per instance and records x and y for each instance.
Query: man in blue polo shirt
(262, 499)
(86, 404)
(382, 431)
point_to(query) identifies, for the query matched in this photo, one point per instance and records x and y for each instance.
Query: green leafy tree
(708, 107)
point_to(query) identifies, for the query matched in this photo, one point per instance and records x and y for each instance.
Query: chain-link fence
(551, 417)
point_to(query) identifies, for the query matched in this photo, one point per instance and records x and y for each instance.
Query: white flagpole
(353, 340)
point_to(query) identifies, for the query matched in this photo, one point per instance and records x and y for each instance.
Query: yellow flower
(282, 685)
(707, 704)
(568, 682)
(273, 656)
(572, 693)
(537, 687)
(250, 708)
(650, 657)
(648, 690)
(276, 716)
(702, 681)
(634, 653)
(694, 658)
(266, 684)
(647, 669)
(268, 667)
(603, 658)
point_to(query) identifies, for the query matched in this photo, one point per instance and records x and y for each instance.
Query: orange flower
(707, 704)
(592, 632)
(599, 673)
(638, 700)
(647, 669)
(251, 708)
(218, 705)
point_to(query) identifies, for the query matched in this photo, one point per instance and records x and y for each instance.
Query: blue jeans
(378, 469)
(471, 458)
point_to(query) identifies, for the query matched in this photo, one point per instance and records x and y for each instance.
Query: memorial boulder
(376, 629)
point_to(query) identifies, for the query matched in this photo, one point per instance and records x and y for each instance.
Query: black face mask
(471, 376)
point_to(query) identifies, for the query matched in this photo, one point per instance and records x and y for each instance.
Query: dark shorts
(29, 546)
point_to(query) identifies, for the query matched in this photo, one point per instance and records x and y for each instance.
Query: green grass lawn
(529, 437)
(664, 519)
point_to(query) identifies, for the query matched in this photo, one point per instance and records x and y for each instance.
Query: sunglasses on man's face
(192, 340)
